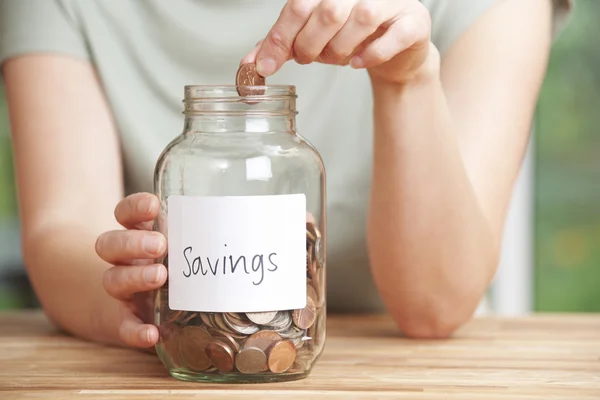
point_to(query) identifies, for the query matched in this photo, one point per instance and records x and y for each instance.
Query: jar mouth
(240, 100)
(213, 92)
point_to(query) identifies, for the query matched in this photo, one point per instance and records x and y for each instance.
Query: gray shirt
(146, 51)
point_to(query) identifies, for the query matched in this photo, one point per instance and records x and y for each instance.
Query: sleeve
(451, 18)
(39, 26)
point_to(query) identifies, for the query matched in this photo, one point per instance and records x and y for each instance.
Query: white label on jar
(238, 253)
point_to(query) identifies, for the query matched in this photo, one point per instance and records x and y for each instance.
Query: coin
(318, 253)
(312, 267)
(292, 332)
(298, 342)
(239, 328)
(170, 335)
(206, 320)
(188, 318)
(219, 322)
(251, 360)
(192, 347)
(281, 357)
(220, 355)
(312, 293)
(303, 318)
(261, 318)
(312, 228)
(239, 319)
(175, 315)
(262, 340)
(247, 76)
(282, 321)
(225, 338)
(310, 237)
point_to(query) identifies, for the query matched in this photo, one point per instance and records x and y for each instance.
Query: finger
(134, 333)
(278, 44)
(126, 245)
(136, 209)
(366, 17)
(251, 57)
(122, 282)
(325, 21)
(408, 32)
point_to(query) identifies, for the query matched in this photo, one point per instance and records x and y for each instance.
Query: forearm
(67, 276)
(432, 248)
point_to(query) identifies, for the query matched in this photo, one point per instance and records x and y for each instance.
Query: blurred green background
(567, 170)
(567, 179)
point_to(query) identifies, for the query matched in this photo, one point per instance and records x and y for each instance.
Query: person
(421, 111)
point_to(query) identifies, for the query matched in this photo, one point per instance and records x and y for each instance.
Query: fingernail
(266, 66)
(357, 62)
(145, 206)
(145, 335)
(152, 244)
(152, 275)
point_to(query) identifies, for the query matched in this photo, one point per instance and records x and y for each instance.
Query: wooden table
(545, 357)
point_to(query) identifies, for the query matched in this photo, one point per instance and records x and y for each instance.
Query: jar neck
(233, 123)
(223, 109)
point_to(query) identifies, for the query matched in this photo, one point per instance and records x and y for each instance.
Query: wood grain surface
(537, 357)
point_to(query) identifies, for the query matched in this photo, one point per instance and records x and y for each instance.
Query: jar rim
(198, 92)
(267, 100)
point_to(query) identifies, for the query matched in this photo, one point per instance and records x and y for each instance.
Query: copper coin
(219, 322)
(281, 357)
(263, 340)
(247, 76)
(206, 319)
(170, 335)
(192, 347)
(175, 315)
(305, 317)
(261, 318)
(220, 355)
(312, 265)
(251, 360)
(312, 293)
(313, 230)
(226, 338)
(188, 318)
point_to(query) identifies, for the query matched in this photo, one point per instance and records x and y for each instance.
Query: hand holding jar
(134, 274)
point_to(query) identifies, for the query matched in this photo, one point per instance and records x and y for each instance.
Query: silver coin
(261, 318)
(275, 321)
(220, 323)
(243, 329)
(292, 333)
(318, 253)
(298, 342)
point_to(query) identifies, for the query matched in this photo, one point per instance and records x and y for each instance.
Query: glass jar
(243, 209)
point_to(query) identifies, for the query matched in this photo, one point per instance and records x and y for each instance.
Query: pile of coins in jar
(250, 343)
